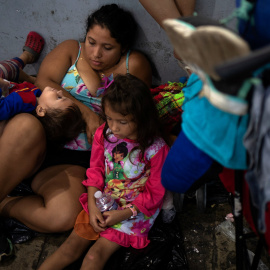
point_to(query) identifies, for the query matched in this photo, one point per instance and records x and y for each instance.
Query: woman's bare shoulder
(140, 66)
(66, 50)
(138, 57)
(68, 44)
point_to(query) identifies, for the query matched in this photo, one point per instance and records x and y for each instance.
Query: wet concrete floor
(205, 246)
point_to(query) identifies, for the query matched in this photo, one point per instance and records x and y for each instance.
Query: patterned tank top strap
(80, 49)
(128, 53)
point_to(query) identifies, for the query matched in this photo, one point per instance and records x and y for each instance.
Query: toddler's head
(129, 110)
(59, 115)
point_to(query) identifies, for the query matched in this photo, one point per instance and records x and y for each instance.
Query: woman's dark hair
(61, 126)
(130, 95)
(118, 21)
(120, 148)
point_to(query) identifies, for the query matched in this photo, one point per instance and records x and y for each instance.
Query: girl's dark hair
(118, 21)
(130, 95)
(61, 126)
(121, 148)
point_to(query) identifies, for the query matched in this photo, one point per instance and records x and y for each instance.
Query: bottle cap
(98, 194)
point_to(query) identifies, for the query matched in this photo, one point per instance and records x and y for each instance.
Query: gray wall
(58, 20)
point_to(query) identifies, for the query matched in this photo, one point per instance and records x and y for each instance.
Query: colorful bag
(169, 98)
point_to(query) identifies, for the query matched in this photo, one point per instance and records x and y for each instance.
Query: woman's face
(102, 51)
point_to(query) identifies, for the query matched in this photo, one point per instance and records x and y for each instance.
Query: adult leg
(99, 254)
(56, 205)
(186, 7)
(22, 150)
(70, 251)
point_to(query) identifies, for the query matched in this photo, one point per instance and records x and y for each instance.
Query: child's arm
(152, 197)
(115, 216)
(96, 217)
(96, 173)
(95, 180)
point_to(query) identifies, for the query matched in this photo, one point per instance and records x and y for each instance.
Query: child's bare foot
(32, 48)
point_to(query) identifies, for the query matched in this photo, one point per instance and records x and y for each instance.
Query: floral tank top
(73, 83)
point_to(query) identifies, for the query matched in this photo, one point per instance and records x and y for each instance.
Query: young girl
(131, 121)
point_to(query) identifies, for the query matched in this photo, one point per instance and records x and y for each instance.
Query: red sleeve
(152, 197)
(96, 173)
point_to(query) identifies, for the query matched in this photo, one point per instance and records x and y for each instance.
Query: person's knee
(93, 257)
(25, 133)
(61, 221)
(31, 130)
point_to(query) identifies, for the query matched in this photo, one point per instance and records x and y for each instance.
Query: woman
(79, 67)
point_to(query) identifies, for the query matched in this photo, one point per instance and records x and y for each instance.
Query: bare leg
(99, 254)
(67, 253)
(171, 9)
(27, 57)
(2, 126)
(22, 150)
(56, 205)
(186, 7)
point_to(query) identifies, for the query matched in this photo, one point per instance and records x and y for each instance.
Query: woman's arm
(52, 71)
(140, 67)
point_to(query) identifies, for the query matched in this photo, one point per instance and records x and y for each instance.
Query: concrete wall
(58, 20)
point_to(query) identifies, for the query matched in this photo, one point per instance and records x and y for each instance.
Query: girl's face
(102, 51)
(123, 127)
(52, 98)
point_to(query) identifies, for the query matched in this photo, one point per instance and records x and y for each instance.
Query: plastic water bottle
(105, 202)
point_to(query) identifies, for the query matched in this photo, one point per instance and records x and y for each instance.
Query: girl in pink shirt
(126, 161)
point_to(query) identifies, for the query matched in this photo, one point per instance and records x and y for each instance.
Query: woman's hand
(97, 220)
(115, 216)
(93, 121)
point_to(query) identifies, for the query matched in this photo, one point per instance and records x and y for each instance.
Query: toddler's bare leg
(68, 252)
(99, 254)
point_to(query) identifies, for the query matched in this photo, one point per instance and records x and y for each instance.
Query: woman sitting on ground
(78, 68)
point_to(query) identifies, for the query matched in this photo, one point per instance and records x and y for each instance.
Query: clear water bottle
(105, 202)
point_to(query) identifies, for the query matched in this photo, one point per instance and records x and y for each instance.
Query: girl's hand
(115, 216)
(96, 220)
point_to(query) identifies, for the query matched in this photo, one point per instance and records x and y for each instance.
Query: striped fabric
(10, 69)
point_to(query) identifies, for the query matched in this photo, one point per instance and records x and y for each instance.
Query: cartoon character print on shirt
(115, 168)
(125, 173)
